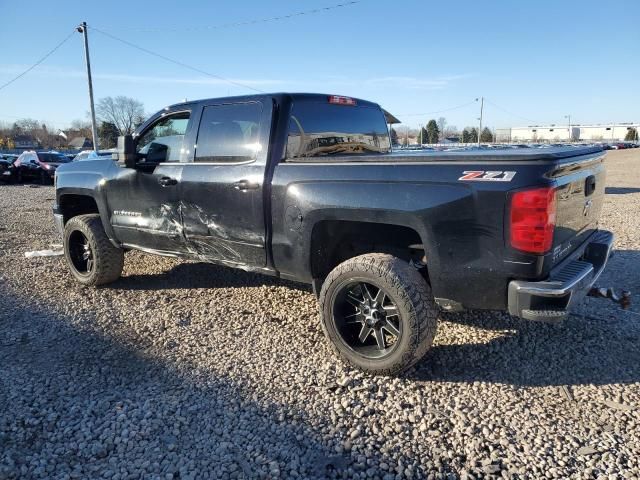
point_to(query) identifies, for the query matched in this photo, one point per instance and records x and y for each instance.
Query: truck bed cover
(478, 155)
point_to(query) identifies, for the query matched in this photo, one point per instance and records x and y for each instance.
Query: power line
(47, 55)
(510, 113)
(436, 111)
(242, 23)
(176, 62)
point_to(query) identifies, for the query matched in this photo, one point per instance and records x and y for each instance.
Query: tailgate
(581, 183)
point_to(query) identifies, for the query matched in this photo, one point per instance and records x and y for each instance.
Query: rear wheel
(92, 258)
(378, 313)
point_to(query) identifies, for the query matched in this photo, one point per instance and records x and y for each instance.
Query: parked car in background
(7, 169)
(92, 155)
(40, 166)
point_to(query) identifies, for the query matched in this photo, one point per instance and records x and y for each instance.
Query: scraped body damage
(205, 240)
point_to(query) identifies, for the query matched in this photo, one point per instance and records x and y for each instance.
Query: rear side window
(229, 133)
(321, 129)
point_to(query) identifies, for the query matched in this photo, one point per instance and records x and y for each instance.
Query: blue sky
(537, 60)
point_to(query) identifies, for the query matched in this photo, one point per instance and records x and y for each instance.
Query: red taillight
(533, 219)
(339, 100)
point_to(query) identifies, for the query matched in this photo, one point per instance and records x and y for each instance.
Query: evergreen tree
(423, 135)
(486, 135)
(108, 134)
(466, 136)
(632, 135)
(473, 135)
(432, 131)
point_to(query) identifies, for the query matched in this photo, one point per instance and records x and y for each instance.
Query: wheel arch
(72, 202)
(333, 241)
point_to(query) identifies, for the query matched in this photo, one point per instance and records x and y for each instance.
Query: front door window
(162, 142)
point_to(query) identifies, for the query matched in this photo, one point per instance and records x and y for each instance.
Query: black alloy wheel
(81, 254)
(378, 313)
(367, 319)
(91, 257)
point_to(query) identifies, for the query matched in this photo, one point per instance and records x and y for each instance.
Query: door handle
(244, 185)
(167, 181)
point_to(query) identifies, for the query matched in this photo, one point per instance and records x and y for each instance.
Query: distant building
(25, 142)
(607, 132)
(80, 143)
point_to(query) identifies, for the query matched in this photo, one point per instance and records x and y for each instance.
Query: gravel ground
(188, 370)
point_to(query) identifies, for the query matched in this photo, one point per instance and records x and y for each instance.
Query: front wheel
(378, 313)
(92, 258)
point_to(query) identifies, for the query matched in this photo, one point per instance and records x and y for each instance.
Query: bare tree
(442, 125)
(124, 112)
(26, 125)
(42, 133)
(78, 124)
(451, 131)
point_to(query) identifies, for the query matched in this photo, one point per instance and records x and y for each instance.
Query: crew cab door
(222, 188)
(143, 202)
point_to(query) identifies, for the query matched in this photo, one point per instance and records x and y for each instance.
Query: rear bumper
(568, 283)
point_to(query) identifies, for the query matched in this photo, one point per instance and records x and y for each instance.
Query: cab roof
(279, 97)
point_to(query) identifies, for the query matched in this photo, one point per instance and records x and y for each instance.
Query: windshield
(53, 158)
(102, 154)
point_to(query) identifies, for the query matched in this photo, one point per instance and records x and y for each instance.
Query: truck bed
(462, 221)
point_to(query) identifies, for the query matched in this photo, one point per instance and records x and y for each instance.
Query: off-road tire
(108, 259)
(410, 292)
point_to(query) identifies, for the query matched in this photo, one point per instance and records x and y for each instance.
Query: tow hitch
(624, 299)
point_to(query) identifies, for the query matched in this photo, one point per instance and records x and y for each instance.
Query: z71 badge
(487, 176)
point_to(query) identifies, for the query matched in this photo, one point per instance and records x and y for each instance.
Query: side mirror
(126, 154)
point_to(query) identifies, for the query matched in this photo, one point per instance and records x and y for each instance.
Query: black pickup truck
(306, 187)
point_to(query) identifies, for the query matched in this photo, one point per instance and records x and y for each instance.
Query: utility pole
(82, 28)
(570, 135)
(481, 109)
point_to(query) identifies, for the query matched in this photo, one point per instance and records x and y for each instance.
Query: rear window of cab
(323, 129)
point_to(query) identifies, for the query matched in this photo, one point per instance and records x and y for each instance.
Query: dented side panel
(223, 208)
(143, 212)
